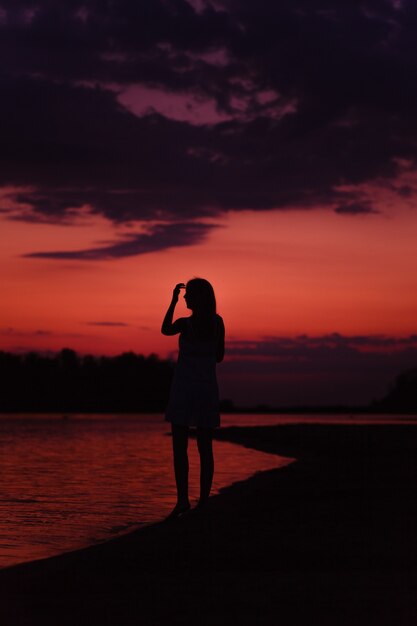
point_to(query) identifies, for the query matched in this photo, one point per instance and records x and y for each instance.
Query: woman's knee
(204, 441)
(180, 437)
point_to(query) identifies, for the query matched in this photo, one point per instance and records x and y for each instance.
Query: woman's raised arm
(168, 326)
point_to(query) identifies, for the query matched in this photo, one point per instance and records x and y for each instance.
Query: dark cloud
(307, 348)
(159, 237)
(304, 108)
(405, 191)
(355, 208)
(332, 369)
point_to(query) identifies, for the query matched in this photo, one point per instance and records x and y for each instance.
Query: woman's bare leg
(179, 446)
(205, 449)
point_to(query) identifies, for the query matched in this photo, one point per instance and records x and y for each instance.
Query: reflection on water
(67, 483)
(259, 419)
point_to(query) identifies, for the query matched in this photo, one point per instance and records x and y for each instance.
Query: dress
(194, 396)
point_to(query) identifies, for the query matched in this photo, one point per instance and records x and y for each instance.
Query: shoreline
(328, 539)
(326, 411)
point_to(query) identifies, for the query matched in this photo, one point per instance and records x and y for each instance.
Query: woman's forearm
(167, 323)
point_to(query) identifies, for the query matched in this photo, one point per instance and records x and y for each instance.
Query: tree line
(69, 382)
(402, 396)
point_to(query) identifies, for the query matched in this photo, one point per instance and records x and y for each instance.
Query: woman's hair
(202, 296)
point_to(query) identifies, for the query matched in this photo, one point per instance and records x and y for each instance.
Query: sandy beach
(329, 539)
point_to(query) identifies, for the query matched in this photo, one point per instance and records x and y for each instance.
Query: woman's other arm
(168, 326)
(220, 340)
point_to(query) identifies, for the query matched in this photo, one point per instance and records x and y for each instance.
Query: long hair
(203, 300)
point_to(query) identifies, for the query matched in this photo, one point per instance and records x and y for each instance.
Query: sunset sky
(270, 147)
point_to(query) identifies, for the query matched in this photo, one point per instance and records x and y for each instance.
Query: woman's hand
(176, 292)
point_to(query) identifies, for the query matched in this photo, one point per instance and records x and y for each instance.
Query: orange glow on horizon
(274, 273)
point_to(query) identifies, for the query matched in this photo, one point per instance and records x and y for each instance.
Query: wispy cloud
(19, 333)
(308, 347)
(159, 237)
(116, 324)
(355, 208)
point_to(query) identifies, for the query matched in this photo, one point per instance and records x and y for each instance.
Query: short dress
(194, 396)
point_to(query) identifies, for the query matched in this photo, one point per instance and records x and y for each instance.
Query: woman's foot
(201, 504)
(179, 509)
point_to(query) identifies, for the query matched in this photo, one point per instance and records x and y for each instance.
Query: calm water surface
(68, 483)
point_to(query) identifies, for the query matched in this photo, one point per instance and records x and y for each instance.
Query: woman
(194, 397)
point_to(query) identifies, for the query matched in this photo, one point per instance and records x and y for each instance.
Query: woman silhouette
(194, 397)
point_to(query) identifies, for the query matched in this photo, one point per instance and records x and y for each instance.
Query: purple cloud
(284, 107)
(159, 237)
(355, 208)
(304, 370)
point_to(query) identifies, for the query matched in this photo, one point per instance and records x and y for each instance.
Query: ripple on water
(68, 483)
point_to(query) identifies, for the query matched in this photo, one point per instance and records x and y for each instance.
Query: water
(69, 483)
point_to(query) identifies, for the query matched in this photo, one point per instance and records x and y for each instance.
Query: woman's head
(199, 296)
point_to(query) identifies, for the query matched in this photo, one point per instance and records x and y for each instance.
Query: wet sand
(330, 539)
